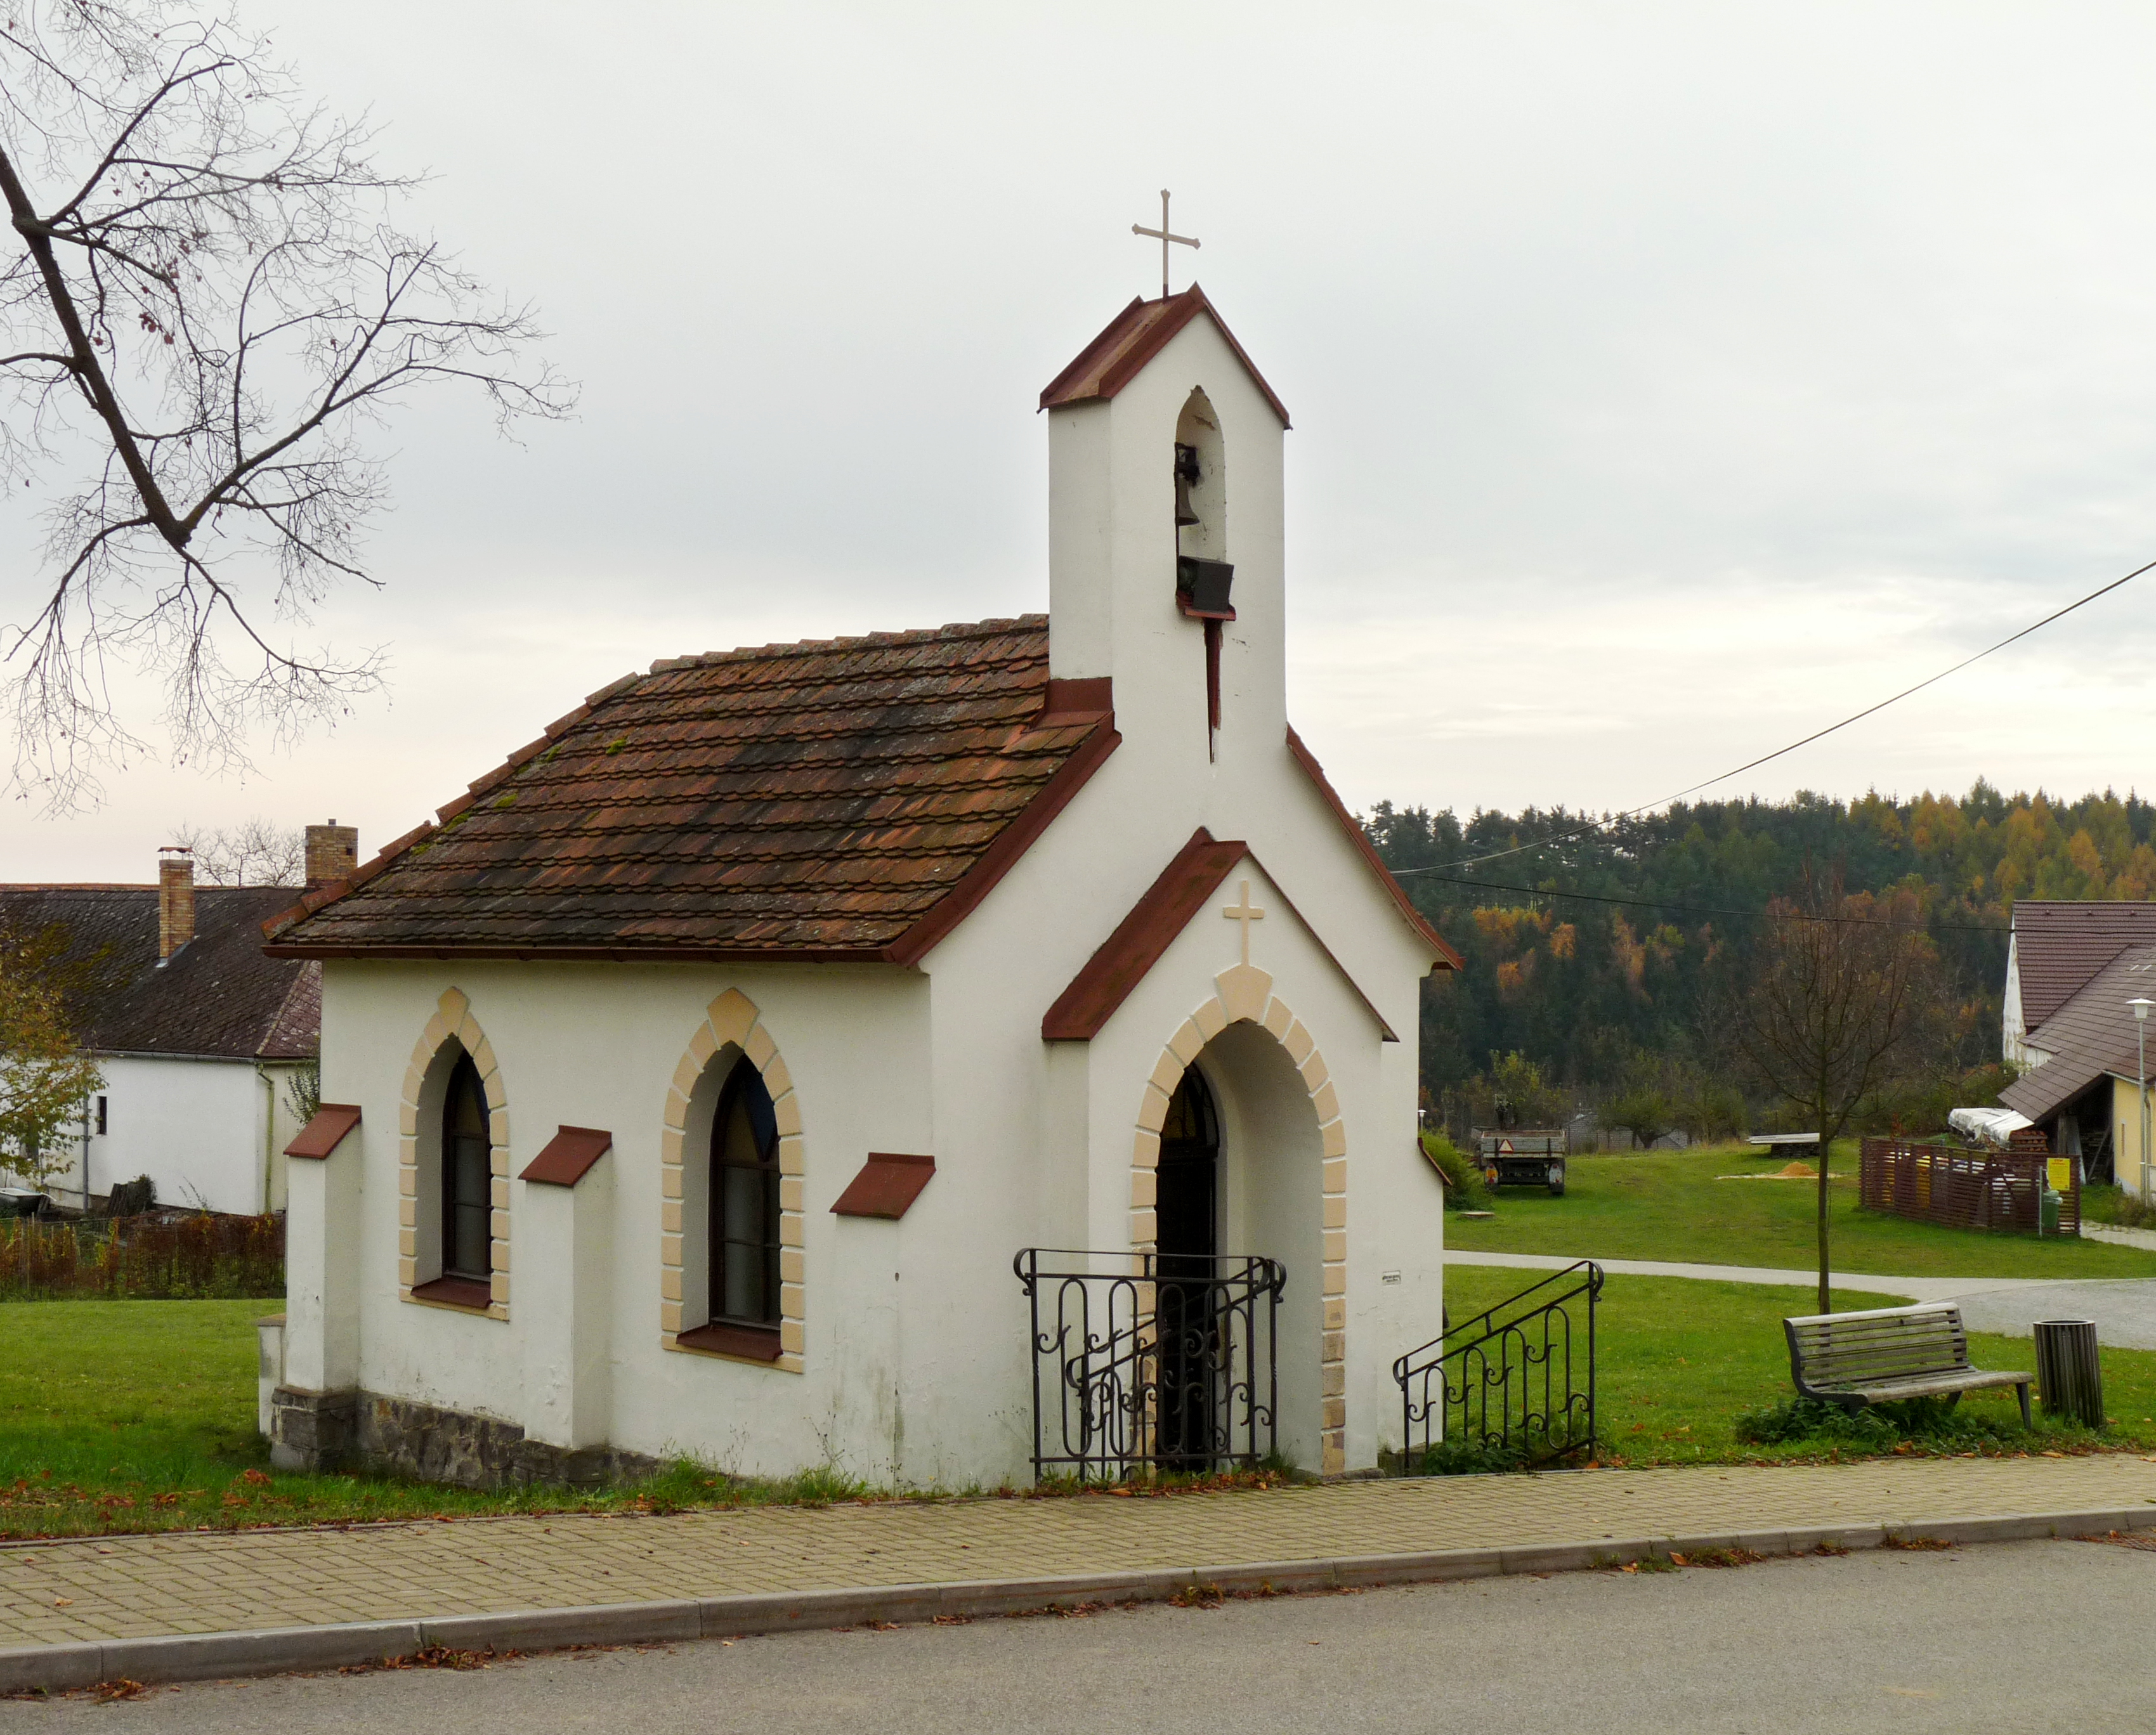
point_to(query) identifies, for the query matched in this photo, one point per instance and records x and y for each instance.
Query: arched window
(467, 1177)
(744, 1203)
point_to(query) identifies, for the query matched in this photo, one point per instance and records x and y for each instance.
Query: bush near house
(1465, 1187)
(160, 1257)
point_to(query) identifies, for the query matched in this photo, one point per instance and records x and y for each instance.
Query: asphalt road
(2003, 1637)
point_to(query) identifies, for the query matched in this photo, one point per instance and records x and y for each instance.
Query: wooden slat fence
(1964, 1187)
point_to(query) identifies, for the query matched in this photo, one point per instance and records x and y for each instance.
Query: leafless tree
(208, 307)
(254, 854)
(1827, 1005)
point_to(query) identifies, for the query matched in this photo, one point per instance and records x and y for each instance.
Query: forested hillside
(1593, 991)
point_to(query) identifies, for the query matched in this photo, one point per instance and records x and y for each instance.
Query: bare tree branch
(202, 319)
(1822, 1012)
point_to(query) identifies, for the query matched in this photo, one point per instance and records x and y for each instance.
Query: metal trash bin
(2069, 1376)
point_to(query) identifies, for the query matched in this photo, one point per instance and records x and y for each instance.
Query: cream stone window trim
(1243, 995)
(452, 1020)
(733, 1027)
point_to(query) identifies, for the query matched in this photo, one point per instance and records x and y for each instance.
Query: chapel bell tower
(1165, 570)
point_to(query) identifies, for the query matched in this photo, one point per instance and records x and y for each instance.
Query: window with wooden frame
(467, 1178)
(743, 1199)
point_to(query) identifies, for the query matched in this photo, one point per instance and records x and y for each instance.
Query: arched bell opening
(1201, 482)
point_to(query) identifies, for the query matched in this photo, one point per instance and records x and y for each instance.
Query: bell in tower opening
(1203, 574)
(1185, 479)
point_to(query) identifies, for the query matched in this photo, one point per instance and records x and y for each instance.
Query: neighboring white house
(200, 1038)
(693, 1085)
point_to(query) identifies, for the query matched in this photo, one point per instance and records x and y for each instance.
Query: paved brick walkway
(133, 1587)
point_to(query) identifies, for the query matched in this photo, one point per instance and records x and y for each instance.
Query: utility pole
(2141, 1006)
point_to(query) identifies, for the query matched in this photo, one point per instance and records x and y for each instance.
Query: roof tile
(819, 798)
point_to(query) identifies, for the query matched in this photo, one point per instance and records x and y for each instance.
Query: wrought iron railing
(1145, 1363)
(1514, 1384)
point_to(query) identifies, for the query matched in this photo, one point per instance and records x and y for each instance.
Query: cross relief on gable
(1243, 911)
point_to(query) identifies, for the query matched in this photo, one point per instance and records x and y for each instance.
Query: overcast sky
(1667, 379)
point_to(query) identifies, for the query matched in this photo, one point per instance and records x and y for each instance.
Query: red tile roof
(847, 799)
(1137, 334)
(2059, 946)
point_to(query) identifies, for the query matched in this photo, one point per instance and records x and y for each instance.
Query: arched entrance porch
(1279, 1185)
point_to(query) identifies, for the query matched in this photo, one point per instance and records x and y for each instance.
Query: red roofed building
(693, 1081)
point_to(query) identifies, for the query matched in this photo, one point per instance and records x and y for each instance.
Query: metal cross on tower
(1162, 235)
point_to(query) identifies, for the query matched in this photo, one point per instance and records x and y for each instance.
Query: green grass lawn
(1670, 1205)
(120, 1416)
(140, 1415)
(1676, 1359)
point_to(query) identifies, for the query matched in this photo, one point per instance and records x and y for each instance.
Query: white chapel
(942, 1054)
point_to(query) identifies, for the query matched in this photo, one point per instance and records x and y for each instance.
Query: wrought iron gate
(1141, 1363)
(1519, 1378)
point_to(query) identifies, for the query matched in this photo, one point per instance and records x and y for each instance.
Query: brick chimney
(176, 899)
(332, 853)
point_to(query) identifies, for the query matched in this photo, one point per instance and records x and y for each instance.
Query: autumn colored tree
(45, 1072)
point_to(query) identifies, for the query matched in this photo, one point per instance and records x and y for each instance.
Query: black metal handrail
(1143, 1363)
(1515, 1382)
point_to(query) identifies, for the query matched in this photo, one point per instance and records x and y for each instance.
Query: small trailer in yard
(1524, 1157)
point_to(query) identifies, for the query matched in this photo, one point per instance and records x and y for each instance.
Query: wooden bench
(1887, 1354)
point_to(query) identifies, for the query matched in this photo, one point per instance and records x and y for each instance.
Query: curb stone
(278, 1650)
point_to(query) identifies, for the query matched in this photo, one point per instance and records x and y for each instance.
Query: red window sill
(752, 1343)
(456, 1292)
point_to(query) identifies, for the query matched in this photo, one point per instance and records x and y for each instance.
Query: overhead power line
(1594, 826)
(1694, 910)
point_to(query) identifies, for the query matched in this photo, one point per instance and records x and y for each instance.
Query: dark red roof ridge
(811, 646)
(1139, 332)
(87, 885)
(1448, 958)
(1163, 910)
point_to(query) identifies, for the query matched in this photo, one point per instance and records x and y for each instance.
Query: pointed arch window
(467, 1177)
(745, 1203)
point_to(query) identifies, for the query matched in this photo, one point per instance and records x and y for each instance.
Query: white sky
(1668, 380)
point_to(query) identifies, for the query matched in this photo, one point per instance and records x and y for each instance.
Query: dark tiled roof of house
(843, 799)
(2091, 1035)
(2058, 946)
(216, 995)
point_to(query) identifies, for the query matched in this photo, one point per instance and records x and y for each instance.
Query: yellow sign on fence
(2061, 1173)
